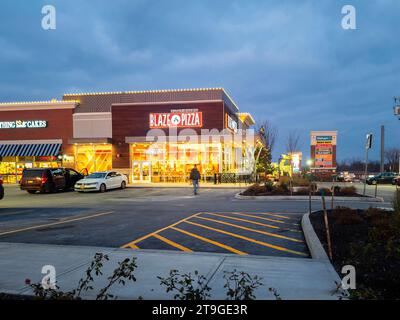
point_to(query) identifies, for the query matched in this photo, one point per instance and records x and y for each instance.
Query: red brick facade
(59, 126)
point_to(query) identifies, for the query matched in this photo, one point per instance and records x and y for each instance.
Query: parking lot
(158, 219)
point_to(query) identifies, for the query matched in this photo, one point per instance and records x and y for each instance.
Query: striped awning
(30, 150)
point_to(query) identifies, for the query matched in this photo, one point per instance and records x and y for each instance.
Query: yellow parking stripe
(251, 222)
(172, 243)
(262, 218)
(56, 223)
(265, 244)
(218, 244)
(274, 215)
(252, 230)
(131, 244)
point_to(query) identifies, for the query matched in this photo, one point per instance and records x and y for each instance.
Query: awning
(30, 150)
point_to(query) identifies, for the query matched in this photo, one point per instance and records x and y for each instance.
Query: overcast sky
(289, 62)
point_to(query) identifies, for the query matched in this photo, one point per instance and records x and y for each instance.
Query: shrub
(269, 186)
(348, 191)
(123, 273)
(254, 190)
(303, 191)
(186, 286)
(284, 180)
(325, 191)
(241, 285)
(300, 182)
(281, 188)
(346, 216)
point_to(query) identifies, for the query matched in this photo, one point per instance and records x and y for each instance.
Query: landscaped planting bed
(369, 240)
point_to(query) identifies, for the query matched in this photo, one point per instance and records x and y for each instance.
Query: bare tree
(268, 133)
(392, 158)
(293, 141)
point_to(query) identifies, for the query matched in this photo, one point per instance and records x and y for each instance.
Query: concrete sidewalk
(293, 278)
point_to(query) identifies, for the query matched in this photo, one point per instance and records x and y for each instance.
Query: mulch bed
(6, 296)
(369, 241)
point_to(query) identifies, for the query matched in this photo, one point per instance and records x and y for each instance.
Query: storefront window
(96, 157)
(172, 162)
(11, 168)
(8, 169)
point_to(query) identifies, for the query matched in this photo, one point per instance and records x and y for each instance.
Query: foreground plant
(122, 274)
(241, 285)
(186, 286)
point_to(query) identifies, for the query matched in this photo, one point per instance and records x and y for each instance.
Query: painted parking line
(262, 218)
(262, 243)
(208, 217)
(252, 222)
(251, 229)
(216, 243)
(55, 223)
(172, 243)
(133, 244)
(274, 215)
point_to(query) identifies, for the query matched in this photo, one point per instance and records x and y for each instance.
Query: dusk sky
(289, 62)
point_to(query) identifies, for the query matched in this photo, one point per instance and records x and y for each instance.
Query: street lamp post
(396, 110)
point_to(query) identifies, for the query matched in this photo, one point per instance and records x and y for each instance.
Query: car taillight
(1, 181)
(44, 180)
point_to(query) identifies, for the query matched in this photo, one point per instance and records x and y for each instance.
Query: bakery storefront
(33, 135)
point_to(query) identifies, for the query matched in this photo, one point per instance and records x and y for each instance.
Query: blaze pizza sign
(184, 119)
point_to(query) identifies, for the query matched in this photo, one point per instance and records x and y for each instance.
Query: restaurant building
(151, 136)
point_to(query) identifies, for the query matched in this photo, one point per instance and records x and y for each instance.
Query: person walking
(195, 177)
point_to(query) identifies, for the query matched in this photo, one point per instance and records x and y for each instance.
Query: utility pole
(368, 145)
(382, 149)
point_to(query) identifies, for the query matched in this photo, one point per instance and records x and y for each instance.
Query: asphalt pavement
(160, 218)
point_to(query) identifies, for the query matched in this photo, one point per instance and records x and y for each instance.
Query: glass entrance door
(141, 171)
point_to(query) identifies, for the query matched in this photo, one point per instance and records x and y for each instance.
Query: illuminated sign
(323, 142)
(231, 124)
(176, 119)
(23, 124)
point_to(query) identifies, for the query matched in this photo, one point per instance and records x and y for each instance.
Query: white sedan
(102, 181)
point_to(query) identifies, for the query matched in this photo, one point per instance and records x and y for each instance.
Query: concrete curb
(306, 198)
(318, 252)
(315, 247)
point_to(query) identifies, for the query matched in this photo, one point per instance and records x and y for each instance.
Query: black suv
(1, 188)
(47, 180)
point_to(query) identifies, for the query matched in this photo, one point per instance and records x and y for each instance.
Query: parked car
(396, 181)
(385, 177)
(102, 181)
(47, 180)
(345, 177)
(1, 188)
